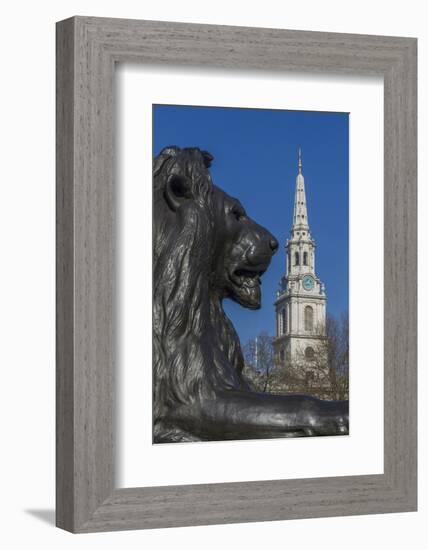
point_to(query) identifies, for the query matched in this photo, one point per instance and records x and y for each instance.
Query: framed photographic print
(236, 270)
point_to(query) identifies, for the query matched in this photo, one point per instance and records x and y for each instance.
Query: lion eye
(238, 213)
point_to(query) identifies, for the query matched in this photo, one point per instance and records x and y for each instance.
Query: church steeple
(301, 300)
(300, 215)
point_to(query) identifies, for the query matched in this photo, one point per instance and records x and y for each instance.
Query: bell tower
(300, 304)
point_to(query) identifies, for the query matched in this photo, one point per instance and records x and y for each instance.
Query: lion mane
(196, 350)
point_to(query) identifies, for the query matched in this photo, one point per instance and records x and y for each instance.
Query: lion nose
(273, 243)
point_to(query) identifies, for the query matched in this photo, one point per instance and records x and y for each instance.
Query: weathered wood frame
(87, 50)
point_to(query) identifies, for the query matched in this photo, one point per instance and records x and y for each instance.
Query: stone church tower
(301, 301)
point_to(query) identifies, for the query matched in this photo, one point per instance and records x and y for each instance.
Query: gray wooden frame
(87, 50)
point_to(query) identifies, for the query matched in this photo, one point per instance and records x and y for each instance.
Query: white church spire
(300, 304)
(300, 216)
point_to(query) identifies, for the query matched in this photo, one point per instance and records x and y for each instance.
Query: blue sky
(255, 159)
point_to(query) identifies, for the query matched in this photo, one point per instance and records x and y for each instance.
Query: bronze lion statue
(205, 249)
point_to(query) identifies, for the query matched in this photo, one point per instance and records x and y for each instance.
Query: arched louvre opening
(296, 258)
(309, 318)
(305, 258)
(284, 321)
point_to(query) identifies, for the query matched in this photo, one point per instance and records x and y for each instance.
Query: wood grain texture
(64, 277)
(87, 49)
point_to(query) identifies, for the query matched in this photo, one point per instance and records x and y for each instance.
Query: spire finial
(300, 161)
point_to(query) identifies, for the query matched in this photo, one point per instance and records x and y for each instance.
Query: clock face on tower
(308, 282)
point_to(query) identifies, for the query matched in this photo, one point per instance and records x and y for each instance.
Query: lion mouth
(246, 283)
(247, 277)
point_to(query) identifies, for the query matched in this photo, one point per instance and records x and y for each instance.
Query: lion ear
(208, 158)
(178, 189)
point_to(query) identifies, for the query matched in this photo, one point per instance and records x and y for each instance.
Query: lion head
(205, 248)
(242, 251)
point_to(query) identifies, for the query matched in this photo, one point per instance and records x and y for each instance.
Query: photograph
(250, 273)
